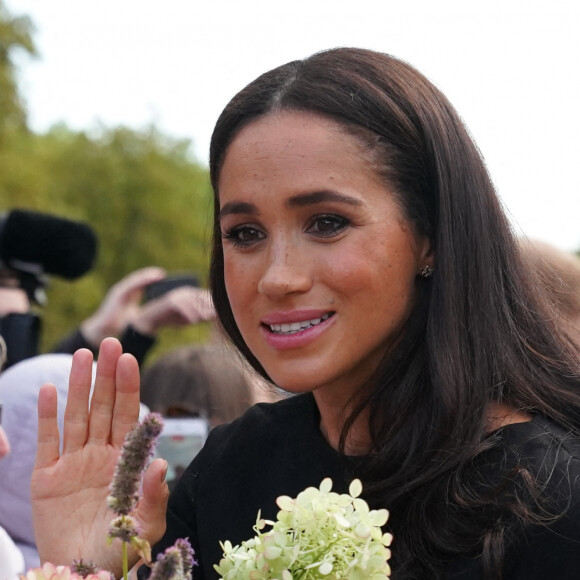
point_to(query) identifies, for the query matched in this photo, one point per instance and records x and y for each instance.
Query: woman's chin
(295, 388)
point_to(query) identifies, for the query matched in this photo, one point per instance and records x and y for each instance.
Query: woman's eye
(327, 226)
(243, 236)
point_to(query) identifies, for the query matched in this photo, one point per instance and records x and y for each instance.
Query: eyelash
(232, 235)
(339, 223)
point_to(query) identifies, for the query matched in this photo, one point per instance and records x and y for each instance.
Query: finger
(103, 399)
(152, 505)
(76, 415)
(139, 279)
(48, 442)
(126, 410)
(192, 304)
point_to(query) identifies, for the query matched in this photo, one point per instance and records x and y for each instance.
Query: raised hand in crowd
(74, 483)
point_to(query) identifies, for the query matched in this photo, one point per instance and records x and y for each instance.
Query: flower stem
(125, 562)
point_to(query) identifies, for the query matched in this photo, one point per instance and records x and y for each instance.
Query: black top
(278, 449)
(132, 341)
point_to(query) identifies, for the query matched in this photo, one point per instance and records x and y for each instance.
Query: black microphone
(30, 241)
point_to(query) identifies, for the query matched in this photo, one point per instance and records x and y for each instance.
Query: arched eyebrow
(301, 200)
(235, 207)
(314, 197)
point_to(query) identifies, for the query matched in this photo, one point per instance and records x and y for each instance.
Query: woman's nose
(286, 272)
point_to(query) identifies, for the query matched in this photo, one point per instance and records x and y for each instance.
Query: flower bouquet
(319, 534)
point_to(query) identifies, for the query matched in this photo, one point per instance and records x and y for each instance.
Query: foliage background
(143, 192)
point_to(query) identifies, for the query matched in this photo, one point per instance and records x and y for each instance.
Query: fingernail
(164, 472)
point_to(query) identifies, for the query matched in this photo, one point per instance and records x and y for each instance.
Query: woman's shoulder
(542, 458)
(551, 547)
(551, 454)
(543, 438)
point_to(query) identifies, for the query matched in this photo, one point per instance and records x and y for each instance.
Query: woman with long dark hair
(362, 261)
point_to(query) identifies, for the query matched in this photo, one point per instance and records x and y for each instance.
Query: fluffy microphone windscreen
(61, 246)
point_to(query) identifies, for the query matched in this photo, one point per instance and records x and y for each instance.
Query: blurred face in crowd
(12, 297)
(320, 263)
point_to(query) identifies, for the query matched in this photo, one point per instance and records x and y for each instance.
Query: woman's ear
(426, 258)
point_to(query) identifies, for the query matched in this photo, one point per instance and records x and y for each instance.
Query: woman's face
(320, 264)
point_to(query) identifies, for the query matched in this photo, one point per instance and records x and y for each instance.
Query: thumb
(153, 503)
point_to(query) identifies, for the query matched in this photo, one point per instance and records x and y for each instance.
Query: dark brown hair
(197, 381)
(476, 334)
(558, 275)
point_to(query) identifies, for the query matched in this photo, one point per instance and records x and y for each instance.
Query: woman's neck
(333, 412)
(502, 414)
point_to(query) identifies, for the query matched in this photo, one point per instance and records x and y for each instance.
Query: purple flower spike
(176, 563)
(187, 559)
(125, 528)
(169, 566)
(136, 451)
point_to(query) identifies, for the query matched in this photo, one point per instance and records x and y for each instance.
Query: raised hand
(179, 307)
(69, 487)
(120, 306)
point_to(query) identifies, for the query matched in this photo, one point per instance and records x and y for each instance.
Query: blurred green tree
(15, 37)
(147, 200)
(145, 195)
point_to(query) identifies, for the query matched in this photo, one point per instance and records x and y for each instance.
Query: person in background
(123, 314)
(11, 558)
(197, 381)
(558, 274)
(195, 388)
(363, 262)
(34, 246)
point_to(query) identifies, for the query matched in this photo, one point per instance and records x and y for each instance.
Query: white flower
(319, 534)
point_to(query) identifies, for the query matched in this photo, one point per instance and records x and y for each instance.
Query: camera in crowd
(34, 246)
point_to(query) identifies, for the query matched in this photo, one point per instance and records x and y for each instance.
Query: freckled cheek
(383, 283)
(353, 270)
(241, 282)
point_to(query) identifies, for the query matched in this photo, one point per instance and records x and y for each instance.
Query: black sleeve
(136, 343)
(132, 342)
(552, 549)
(72, 342)
(549, 545)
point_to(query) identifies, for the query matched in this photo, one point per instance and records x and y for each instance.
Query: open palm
(69, 488)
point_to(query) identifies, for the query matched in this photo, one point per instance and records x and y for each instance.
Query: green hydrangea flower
(320, 534)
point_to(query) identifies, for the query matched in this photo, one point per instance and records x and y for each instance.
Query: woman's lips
(294, 330)
(293, 327)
